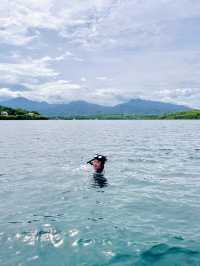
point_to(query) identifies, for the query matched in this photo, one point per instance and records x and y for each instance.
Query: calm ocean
(53, 212)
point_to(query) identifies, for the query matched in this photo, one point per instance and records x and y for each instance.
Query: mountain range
(134, 106)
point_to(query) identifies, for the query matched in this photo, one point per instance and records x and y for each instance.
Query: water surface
(53, 212)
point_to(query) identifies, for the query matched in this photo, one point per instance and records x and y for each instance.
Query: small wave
(120, 259)
(141, 160)
(47, 234)
(73, 232)
(95, 219)
(38, 218)
(33, 258)
(81, 168)
(46, 216)
(14, 222)
(178, 238)
(165, 149)
(83, 242)
(162, 253)
(32, 221)
(193, 157)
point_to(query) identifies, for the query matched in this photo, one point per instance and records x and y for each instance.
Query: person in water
(98, 163)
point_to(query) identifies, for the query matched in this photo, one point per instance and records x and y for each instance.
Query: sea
(144, 211)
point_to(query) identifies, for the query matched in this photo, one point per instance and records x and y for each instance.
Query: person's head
(98, 163)
(98, 166)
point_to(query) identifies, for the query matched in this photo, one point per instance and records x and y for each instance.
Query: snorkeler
(98, 163)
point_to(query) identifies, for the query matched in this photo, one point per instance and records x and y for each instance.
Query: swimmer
(98, 163)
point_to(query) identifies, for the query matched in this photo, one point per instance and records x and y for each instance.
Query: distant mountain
(77, 107)
(139, 106)
(134, 106)
(24, 103)
(72, 108)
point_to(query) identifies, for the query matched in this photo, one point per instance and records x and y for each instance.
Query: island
(7, 113)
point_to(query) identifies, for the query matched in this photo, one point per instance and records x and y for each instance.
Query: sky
(101, 51)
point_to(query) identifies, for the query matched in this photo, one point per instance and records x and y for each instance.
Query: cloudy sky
(102, 51)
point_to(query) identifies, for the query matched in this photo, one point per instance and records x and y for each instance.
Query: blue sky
(101, 51)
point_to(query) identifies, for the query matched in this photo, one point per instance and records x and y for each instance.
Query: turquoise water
(54, 213)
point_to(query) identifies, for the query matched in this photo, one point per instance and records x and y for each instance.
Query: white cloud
(187, 96)
(55, 91)
(78, 59)
(105, 22)
(63, 91)
(179, 93)
(6, 93)
(145, 48)
(15, 36)
(69, 56)
(83, 79)
(27, 71)
(102, 78)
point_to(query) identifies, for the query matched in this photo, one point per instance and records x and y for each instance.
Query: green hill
(193, 114)
(7, 113)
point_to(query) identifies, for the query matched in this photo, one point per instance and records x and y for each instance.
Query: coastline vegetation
(7, 113)
(193, 114)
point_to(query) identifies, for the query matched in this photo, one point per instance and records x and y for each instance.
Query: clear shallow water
(54, 213)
